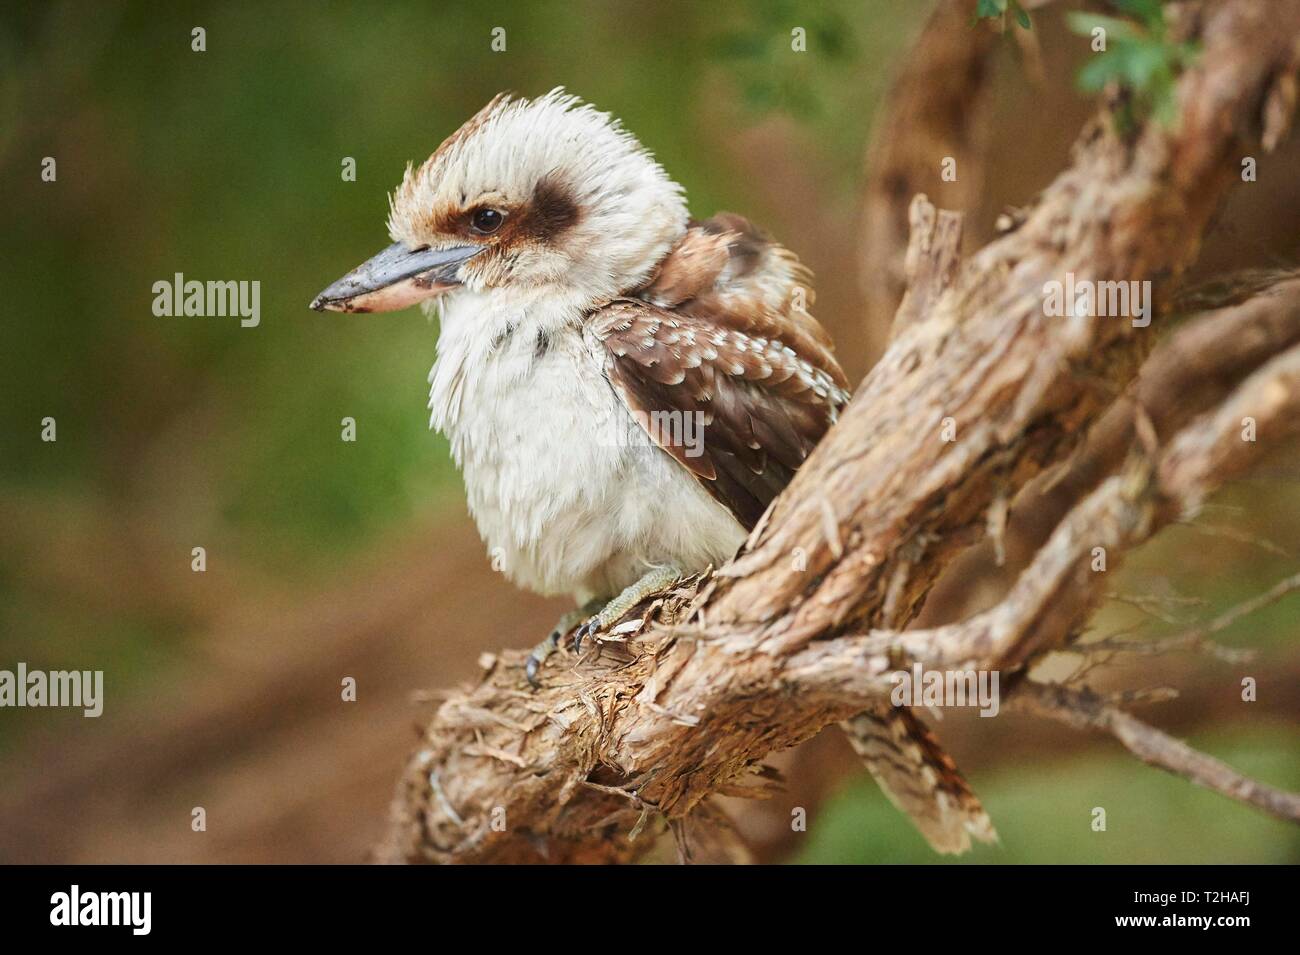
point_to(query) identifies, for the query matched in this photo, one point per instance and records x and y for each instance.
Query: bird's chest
(535, 428)
(528, 431)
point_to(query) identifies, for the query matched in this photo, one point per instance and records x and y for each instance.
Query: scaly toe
(590, 627)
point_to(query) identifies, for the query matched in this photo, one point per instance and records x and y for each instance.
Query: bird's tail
(919, 778)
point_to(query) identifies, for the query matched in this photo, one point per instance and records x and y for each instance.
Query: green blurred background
(329, 559)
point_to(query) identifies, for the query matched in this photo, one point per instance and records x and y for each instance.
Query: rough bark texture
(979, 392)
(933, 111)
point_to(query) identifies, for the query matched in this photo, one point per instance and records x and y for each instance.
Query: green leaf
(1145, 61)
(1100, 71)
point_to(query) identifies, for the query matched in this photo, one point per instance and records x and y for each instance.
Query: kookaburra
(625, 389)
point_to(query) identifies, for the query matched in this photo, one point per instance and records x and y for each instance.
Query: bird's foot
(655, 580)
(594, 620)
(537, 656)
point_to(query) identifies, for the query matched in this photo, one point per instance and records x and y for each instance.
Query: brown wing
(718, 340)
(727, 271)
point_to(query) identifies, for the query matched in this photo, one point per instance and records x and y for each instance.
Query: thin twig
(1085, 710)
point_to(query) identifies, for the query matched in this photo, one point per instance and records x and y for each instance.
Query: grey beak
(395, 278)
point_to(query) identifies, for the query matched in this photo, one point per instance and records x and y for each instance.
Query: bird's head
(529, 194)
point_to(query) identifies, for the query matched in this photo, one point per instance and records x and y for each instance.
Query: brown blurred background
(329, 560)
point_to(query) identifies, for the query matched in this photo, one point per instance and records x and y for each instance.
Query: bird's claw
(531, 666)
(538, 655)
(606, 615)
(590, 627)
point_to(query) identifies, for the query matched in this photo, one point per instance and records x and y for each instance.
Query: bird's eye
(486, 221)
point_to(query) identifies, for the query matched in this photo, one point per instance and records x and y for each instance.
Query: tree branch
(1053, 598)
(965, 407)
(1084, 710)
(935, 110)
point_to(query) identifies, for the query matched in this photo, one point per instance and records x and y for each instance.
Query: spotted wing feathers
(719, 336)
